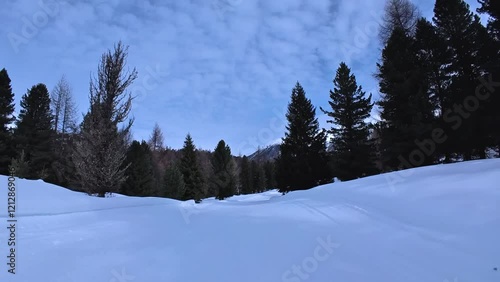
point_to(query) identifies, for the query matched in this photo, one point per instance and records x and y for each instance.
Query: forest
(439, 104)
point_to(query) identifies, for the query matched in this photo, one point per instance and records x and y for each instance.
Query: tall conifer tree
(191, 171)
(353, 152)
(6, 119)
(302, 163)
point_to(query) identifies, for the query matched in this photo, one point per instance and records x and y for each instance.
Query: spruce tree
(352, 154)
(34, 134)
(6, 119)
(245, 177)
(223, 180)
(191, 171)
(173, 182)
(140, 181)
(302, 162)
(406, 108)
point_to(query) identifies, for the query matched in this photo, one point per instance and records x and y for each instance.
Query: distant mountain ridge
(269, 153)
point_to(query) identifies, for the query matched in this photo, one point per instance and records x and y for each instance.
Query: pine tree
(6, 119)
(302, 161)
(140, 181)
(191, 171)
(34, 134)
(407, 111)
(174, 186)
(101, 147)
(464, 36)
(245, 177)
(223, 180)
(352, 150)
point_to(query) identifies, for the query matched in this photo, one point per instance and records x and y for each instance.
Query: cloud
(226, 66)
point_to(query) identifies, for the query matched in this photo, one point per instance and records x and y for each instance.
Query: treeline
(98, 156)
(439, 103)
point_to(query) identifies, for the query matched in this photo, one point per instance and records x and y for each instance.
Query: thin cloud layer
(219, 69)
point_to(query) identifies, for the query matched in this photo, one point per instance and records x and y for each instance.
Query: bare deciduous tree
(156, 139)
(398, 13)
(101, 147)
(63, 107)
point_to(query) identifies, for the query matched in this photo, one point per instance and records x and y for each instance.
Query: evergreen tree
(140, 181)
(101, 147)
(258, 177)
(6, 119)
(270, 172)
(174, 186)
(352, 150)
(407, 111)
(492, 8)
(302, 161)
(246, 182)
(465, 37)
(34, 134)
(20, 166)
(223, 180)
(191, 171)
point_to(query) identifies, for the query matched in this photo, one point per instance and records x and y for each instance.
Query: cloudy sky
(218, 69)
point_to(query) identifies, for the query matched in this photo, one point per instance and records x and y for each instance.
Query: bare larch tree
(63, 107)
(156, 139)
(398, 13)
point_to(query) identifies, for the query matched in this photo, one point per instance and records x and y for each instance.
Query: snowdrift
(438, 223)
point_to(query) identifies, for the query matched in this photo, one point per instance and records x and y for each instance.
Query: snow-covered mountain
(437, 223)
(269, 153)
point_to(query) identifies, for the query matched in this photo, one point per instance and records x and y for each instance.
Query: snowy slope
(439, 223)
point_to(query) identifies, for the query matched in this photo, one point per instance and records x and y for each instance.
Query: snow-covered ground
(439, 223)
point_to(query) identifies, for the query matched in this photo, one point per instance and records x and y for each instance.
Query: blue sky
(218, 69)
